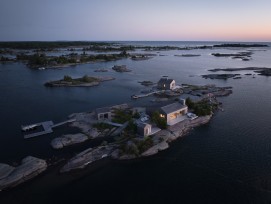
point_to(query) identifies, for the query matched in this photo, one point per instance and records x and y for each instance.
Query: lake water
(224, 161)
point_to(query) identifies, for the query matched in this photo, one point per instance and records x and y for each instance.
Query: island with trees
(85, 81)
(127, 131)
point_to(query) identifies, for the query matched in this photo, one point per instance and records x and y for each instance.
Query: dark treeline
(37, 60)
(241, 45)
(49, 45)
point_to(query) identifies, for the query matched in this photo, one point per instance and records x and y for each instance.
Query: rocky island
(219, 76)
(131, 142)
(264, 71)
(239, 45)
(245, 56)
(36, 55)
(85, 81)
(146, 83)
(12, 176)
(188, 55)
(127, 131)
(121, 68)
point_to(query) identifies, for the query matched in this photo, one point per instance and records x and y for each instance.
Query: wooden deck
(144, 95)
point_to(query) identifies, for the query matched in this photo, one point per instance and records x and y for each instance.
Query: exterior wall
(104, 116)
(147, 130)
(162, 86)
(177, 113)
(172, 84)
(166, 86)
(144, 131)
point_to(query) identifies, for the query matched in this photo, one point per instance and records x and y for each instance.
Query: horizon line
(135, 41)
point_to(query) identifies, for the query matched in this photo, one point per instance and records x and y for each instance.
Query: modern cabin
(174, 113)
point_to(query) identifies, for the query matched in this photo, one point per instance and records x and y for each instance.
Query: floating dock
(47, 128)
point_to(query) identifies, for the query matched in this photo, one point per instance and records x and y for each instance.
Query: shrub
(67, 78)
(159, 121)
(102, 126)
(122, 116)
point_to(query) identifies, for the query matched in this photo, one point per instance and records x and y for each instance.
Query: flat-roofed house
(166, 84)
(103, 113)
(174, 113)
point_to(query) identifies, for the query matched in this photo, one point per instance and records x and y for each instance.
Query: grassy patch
(102, 126)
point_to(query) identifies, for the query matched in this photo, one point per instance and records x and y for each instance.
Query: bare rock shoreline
(161, 142)
(174, 132)
(13, 176)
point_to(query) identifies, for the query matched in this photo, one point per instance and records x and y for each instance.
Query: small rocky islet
(264, 71)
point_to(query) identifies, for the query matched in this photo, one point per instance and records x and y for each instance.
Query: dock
(144, 95)
(47, 128)
(63, 123)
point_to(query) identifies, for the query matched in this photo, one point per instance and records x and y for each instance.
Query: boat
(192, 116)
(28, 127)
(134, 97)
(42, 68)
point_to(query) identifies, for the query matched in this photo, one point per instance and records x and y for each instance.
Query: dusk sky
(172, 20)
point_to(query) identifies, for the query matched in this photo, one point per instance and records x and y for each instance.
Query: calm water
(221, 162)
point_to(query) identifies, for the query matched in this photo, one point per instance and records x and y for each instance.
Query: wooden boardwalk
(63, 123)
(144, 95)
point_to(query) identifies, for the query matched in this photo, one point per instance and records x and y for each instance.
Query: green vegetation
(37, 60)
(67, 78)
(101, 48)
(122, 116)
(102, 57)
(102, 126)
(136, 146)
(131, 127)
(144, 145)
(136, 115)
(189, 103)
(70, 81)
(200, 108)
(159, 121)
(129, 149)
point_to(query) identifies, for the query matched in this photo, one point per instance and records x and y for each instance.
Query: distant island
(264, 71)
(219, 76)
(188, 55)
(36, 61)
(36, 54)
(121, 68)
(241, 45)
(245, 56)
(85, 81)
